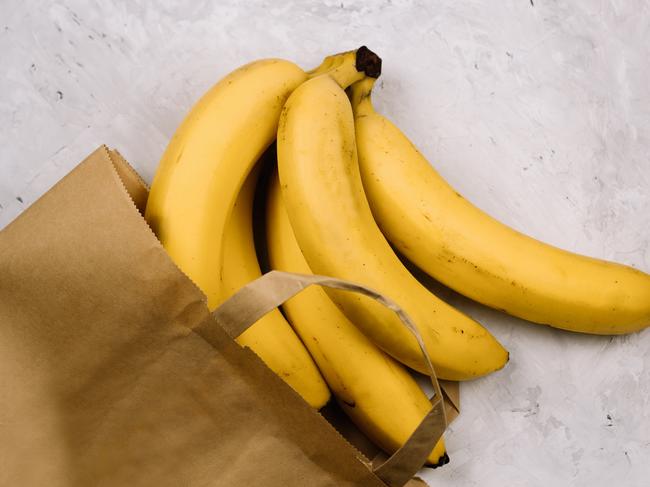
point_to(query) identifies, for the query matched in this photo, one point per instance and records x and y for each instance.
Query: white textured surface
(536, 110)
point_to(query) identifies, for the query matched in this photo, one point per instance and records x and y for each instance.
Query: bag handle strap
(259, 297)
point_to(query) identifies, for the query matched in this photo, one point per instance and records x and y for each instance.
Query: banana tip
(368, 62)
(444, 460)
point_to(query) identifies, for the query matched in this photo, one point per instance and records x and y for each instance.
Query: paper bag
(113, 371)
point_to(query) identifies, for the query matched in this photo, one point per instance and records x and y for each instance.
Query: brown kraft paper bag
(114, 372)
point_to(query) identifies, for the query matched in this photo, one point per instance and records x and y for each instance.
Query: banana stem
(328, 63)
(349, 67)
(325, 66)
(346, 72)
(360, 96)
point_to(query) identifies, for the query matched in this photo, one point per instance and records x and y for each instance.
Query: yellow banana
(333, 224)
(207, 160)
(374, 390)
(271, 337)
(209, 156)
(471, 252)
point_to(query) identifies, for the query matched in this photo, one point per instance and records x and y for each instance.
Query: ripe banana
(207, 160)
(213, 150)
(373, 389)
(333, 224)
(469, 251)
(271, 337)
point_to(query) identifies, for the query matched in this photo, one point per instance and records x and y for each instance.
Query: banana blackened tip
(444, 460)
(324, 406)
(368, 62)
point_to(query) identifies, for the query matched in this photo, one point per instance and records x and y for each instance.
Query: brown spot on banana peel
(448, 256)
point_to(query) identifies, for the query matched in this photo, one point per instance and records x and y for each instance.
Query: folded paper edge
(134, 184)
(124, 164)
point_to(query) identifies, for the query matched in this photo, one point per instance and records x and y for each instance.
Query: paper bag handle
(259, 297)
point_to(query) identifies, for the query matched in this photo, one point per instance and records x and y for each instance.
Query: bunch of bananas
(348, 189)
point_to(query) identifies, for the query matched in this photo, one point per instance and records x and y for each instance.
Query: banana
(334, 226)
(207, 160)
(374, 390)
(471, 252)
(215, 147)
(271, 337)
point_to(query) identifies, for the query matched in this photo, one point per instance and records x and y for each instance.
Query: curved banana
(333, 224)
(374, 390)
(209, 156)
(207, 160)
(469, 251)
(271, 337)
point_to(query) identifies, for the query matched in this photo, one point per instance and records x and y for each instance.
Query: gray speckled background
(536, 110)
